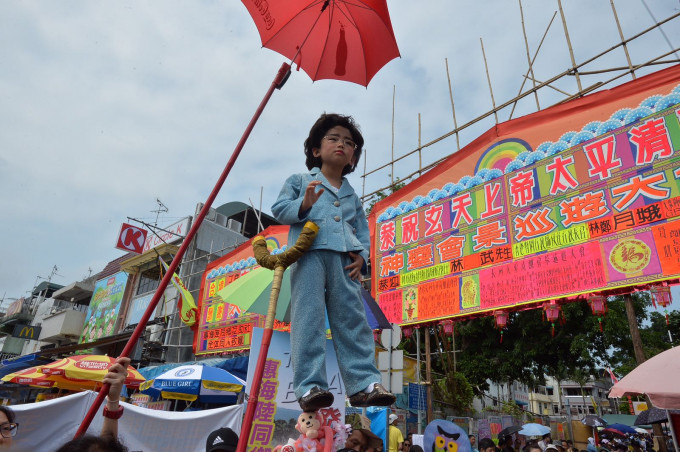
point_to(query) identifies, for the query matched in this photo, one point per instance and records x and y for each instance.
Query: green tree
(380, 195)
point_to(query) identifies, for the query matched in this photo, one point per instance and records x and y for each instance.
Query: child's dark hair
(322, 125)
(92, 443)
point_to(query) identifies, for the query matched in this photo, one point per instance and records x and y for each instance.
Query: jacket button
(337, 218)
(354, 230)
(336, 203)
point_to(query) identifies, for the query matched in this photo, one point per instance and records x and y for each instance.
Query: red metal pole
(279, 80)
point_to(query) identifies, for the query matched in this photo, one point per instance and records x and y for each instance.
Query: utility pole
(640, 358)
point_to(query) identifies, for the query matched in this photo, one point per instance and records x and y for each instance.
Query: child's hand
(311, 195)
(355, 267)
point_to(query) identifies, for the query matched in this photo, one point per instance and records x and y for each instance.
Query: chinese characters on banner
(594, 216)
(224, 327)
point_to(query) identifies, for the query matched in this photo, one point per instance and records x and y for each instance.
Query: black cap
(222, 439)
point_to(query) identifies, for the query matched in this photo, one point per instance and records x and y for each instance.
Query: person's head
(472, 439)
(551, 448)
(507, 440)
(393, 418)
(8, 427)
(91, 443)
(486, 445)
(221, 440)
(356, 441)
(416, 448)
(320, 135)
(534, 447)
(547, 439)
(407, 444)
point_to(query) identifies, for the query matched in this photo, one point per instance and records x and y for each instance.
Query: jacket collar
(345, 188)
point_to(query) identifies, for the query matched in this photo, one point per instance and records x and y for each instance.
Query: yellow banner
(552, 241)
(417, 276)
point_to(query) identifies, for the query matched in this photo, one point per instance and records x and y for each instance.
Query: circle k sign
(131, 238)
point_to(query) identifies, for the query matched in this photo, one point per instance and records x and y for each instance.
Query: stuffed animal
(314, 436)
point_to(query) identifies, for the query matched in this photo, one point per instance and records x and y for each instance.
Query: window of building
(149, 280)
(549, 390)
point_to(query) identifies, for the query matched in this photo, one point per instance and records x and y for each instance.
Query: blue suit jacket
(340, 216)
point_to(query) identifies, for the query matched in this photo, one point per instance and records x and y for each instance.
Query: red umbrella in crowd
(329, 39)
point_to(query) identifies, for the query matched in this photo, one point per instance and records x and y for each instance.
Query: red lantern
(448, 327)
(552, 312)
(661, 295)
(501, 318)
(407, 331)
(598, 305)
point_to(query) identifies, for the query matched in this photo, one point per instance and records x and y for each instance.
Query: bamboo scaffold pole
(571, 50)
(625, 46)
(526, 45)
(531, 64)
(488, 79)
(453, 107)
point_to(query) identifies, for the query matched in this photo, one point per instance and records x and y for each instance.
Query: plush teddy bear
(309, 424)
(314, 436)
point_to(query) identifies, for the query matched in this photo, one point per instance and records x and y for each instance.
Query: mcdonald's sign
(26, 331)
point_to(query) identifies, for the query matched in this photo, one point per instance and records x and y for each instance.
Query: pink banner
(543, 276)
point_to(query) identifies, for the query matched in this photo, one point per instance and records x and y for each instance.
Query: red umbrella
(338, 39)
(349, 25)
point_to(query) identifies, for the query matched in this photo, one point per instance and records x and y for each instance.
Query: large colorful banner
(577, 198)
(224, 327)
(102, 313)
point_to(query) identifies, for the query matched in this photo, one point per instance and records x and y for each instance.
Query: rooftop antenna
(162, 208)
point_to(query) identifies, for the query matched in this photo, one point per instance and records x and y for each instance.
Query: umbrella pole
(261, 360)
(277, 83)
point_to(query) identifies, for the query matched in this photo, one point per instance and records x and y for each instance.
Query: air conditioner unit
(221, 220)
(155, 332)
(234, 225)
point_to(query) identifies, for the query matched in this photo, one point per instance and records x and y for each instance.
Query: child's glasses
(334, 139)
(8, 429)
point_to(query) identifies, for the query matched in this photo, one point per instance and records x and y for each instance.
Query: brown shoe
(378, 397)
(317, 398)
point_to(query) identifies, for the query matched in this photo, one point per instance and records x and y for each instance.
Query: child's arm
(293, 205)
(363, 234)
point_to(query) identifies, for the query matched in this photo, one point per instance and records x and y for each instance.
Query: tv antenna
(162, 208)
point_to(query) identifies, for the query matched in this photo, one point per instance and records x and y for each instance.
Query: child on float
(327, 277)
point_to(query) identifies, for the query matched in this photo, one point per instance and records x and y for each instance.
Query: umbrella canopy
(532, 429)
(74, 373)
(625, 429)
(653, 416)
(509, 431)
(251, 292)
(195, 382)
(347, 40)
(657, 377)
(593, 421)
(7, 366)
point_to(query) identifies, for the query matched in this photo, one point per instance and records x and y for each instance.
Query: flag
(613, 377)
(188, 311)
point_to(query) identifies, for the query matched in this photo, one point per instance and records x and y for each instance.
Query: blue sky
(106, 106)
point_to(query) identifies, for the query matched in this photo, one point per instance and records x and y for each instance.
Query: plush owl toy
(445, 436)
